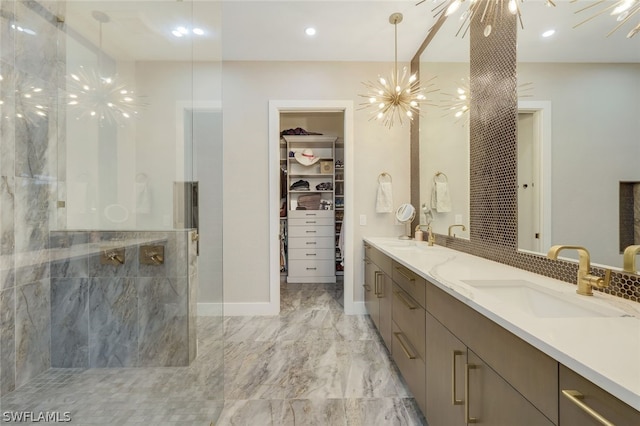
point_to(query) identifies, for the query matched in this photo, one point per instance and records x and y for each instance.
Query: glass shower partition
(111, 296)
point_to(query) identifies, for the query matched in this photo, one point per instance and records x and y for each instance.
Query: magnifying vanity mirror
(578, 132)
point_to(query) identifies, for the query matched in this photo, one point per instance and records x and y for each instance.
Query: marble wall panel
(193, 316)
(113, 324)
(7, 111)
(31, 212)
(33, 330)
(7, 210)
(7, 341)
(69, 323)
(30, 14)
(163, 321)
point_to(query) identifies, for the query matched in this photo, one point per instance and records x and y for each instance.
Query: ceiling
(354, 30)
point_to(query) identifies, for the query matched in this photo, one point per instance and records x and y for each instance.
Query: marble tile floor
(311, 365)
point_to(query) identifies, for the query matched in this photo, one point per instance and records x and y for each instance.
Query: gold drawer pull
(469, 367)
(376, 289)
(404, 300)
(366, 287)
(311, 269)
(310, 221)
(576, 397)
(311, 254)
(401, 272)
(311, 232)
(403, 345)
(311, 243)
(455, 401)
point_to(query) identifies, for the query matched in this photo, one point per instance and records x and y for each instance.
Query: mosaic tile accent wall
(493, 158)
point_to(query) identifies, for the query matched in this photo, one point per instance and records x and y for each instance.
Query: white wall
(595, 145)
(247, 89)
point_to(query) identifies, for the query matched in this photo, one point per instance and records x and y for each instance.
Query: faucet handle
(600, 282)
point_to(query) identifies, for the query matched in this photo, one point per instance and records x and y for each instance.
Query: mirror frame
(493, 160)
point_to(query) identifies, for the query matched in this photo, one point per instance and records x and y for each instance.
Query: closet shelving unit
(339, 199)
(311, 232)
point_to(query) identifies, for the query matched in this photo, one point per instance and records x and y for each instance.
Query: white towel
(384, 200)
(443, 200)
(143, 198)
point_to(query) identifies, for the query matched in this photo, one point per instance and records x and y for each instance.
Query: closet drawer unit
(311, 231)
(312, 221)
(410, 319)
(312, 242)
(312, 268)
(312, 254)
(303, 214)
(410, 282)
(411, 366)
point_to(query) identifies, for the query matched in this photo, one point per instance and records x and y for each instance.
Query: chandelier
(96, 96)
(397, 97)
(488, 11)
(622, 10)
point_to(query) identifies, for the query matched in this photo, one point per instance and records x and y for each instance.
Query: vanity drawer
(411, 366)
(311, 254)
(311, 268)
(383, 261)
(302, 214)
(312, 242)
(410, 282)
(410, 319)
(312, 221)
(311, 231)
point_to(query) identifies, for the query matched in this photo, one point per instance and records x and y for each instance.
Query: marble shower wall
(130, 315)
(28, 66)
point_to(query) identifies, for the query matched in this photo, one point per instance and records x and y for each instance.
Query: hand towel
(143, 198)
(384, 200)
(443, 200)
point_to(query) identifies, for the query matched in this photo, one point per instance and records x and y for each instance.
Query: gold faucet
(585, 280)
(453, 226)
(629, 258)
(430, 237)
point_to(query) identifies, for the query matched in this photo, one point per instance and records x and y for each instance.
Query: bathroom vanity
(482, 342)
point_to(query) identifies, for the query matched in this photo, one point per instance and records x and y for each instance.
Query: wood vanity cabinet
(579, 397)
(408, 312)
(377, 291)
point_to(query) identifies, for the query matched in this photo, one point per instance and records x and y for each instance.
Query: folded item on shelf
(301, 185)
(297, 131)
(324, 186)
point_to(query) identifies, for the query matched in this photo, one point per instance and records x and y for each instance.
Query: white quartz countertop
(605, 350)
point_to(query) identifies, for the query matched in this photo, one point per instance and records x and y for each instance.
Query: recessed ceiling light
(548, 33)
(310, 31)
(176, 33)
(198, 31)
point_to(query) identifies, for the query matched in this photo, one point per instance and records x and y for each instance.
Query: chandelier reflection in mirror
(621, 10)
(489, 12)
(96, 96)
(397, 97)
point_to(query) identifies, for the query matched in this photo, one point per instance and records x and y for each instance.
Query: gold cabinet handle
(469, 367)
(404, 300)
(577, 397)
(366, 287)
(376, 289)
(401, 272)
(455, 401)
(403, 345)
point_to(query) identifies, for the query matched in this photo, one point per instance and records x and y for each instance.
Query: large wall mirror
(578, 131)
(444, 133)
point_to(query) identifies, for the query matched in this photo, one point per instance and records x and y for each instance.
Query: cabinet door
(385, 293)
(582, 402)
(370, 300)
(490, 400)
(445, 367)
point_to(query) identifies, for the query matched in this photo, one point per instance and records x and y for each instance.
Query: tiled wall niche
(493, 150)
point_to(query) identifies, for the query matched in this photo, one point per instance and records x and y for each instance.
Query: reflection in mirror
(444, 133)
(591, 84)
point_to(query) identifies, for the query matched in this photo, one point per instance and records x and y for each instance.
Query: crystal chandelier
(104, 98)
(622, 10)
(488, 11)
(397, 97)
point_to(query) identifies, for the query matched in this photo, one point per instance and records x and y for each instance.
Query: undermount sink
(541, 302)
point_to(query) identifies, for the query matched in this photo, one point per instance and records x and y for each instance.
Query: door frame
(275, 108)
(541, 111)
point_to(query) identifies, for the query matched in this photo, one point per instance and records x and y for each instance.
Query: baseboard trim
(250, 309)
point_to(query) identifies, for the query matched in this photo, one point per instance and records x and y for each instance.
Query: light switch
(363, 219)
